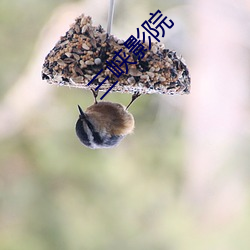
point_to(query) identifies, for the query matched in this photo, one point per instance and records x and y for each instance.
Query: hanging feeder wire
(110, 16)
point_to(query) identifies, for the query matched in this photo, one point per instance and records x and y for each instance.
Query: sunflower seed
(88, 62)
(85, 46)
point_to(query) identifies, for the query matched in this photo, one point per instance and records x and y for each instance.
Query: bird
(104, 124)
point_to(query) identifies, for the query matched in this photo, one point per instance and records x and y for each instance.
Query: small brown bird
(104, 124)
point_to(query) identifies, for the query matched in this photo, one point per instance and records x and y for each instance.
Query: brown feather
(111, 117)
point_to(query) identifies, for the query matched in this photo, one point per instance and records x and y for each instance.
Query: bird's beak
(82, 115)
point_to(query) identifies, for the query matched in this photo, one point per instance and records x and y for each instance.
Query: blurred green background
(181, 181)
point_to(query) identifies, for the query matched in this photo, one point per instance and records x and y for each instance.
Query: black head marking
(82, 114)
(81, 133)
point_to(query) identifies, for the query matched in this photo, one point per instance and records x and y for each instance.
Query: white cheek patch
(89, 133)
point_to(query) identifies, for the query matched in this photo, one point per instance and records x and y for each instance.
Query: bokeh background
(180, 182)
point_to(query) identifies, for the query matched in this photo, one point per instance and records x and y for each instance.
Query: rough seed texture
(83, 51)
